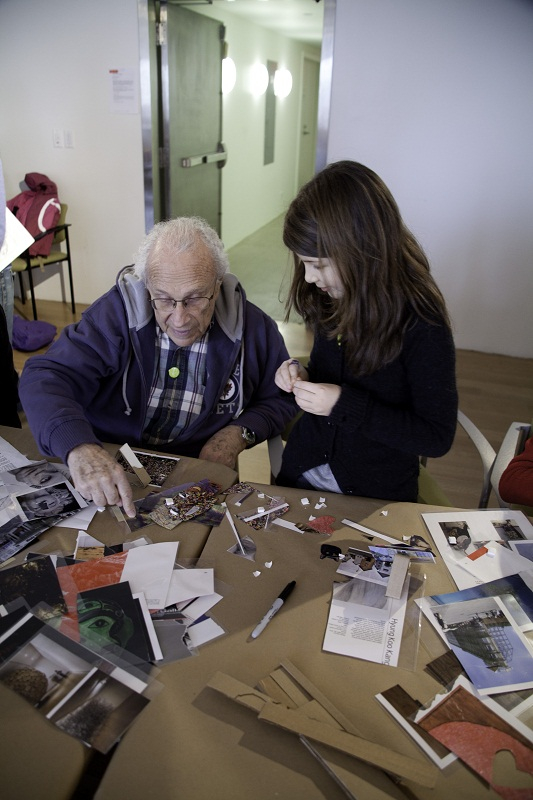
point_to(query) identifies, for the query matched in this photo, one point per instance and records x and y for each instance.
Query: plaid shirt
(175, 402)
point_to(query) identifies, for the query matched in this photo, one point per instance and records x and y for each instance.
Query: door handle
(220, 158)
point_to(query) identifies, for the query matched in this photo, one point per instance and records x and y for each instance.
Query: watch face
(248, 436)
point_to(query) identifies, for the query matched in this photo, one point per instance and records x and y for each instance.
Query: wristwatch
(248, 436)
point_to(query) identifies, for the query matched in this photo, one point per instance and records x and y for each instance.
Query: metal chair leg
(32, 292)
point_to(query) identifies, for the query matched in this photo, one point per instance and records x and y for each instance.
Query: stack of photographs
(33, 498)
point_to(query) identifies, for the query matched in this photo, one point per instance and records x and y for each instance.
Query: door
(308, 121)
(190, 115)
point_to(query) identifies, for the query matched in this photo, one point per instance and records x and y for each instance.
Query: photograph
(457, 535)
(493, 653)
(53, 501)
(110, 617)
(158, 468)
(99, 711)
(78, 690)
(36, 581)
(508, 531)
(17, 534)
(33, 476)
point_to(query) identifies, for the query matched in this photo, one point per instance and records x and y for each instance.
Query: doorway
(308, 120)
(184, 128)
(158, 159)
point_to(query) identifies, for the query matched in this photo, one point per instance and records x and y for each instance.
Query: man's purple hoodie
(93, 384)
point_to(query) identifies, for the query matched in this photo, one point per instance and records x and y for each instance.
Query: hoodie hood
(229, 307)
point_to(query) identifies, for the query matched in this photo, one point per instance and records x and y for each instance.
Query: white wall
(54, 58)
(56, 64)
(437, 98)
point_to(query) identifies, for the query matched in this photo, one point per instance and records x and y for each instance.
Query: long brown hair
(347, 214)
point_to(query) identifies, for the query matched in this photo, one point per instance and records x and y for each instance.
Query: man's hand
(224, 446)
(98, 477)
(316, 398)
(288, 372)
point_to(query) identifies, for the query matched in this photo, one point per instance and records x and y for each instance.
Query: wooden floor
(493, 391)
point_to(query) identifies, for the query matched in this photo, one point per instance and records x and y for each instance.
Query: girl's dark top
(382, 423)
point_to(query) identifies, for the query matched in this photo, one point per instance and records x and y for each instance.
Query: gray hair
(178, 236)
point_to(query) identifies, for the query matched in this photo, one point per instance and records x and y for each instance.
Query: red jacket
(38, 209)
(516, 482)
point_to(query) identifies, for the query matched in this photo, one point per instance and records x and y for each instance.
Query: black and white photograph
(80, 692)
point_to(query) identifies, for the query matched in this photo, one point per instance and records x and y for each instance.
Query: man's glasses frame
(166, 305)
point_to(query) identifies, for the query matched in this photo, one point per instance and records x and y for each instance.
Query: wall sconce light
(258, 79)
(229, 75)
(282, 83)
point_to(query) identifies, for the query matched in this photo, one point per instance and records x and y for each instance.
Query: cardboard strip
(395, 584)
(315, 693)
(240, 692)
(372, 753)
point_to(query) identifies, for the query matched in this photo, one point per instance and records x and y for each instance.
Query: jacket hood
(38, 182)
(229, 307)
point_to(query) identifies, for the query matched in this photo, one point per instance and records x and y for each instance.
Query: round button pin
(173, 372)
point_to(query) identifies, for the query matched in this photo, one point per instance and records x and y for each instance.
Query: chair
(493, 462)
(26, 263)
(429, 492)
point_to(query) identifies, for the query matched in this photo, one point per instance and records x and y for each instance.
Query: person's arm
(425, 424)
(516, 482)
(58, 387)
(224, 446)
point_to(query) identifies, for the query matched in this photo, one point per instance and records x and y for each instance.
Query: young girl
(379, 390)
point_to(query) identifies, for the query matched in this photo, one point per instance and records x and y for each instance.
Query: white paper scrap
(200, 606)
(369, 531)
(149, 569)
(186, 584)
(204, 631)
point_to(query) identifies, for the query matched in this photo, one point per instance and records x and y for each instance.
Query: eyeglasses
(166, 305)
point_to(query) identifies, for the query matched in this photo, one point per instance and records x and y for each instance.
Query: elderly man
(173, 358)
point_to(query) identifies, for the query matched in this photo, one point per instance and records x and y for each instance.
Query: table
(191, 742)
(36, 759)
(194, 743)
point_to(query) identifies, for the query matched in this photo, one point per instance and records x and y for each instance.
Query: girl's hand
(316, 398)
(289, 372)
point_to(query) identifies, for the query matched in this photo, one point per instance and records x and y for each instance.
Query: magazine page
(364, 623)
(476, 545)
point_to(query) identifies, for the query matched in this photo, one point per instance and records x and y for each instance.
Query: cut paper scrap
(149, 570)
(186, 584)
(323, 524)
(470, 728)
(203, 631)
